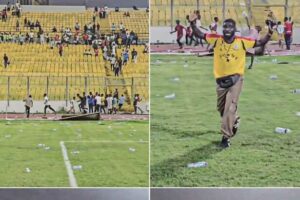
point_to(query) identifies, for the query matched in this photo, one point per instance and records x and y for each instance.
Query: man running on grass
(229, 65)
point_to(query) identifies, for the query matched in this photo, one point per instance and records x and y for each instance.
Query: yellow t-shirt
(229, 58)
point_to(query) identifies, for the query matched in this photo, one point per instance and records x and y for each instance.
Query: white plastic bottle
(197, 164)
(282, 130)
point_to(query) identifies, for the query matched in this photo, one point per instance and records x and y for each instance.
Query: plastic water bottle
(197, 164)
(171, 96)
(77, 167)
(282, 130)
(27, 170)
(296, 91)
(273, 77)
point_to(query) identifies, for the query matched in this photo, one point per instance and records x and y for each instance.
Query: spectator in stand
(134, 54)
(5, 61)
(117, 69)
(125, 57)
(113, 28)
(54, 29)
(146, 48)
(121, 27)
(116, 93)
(60, 49)
(98, 28)
(17, 26)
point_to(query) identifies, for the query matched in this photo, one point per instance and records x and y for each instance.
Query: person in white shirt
(47, 105)
(109, 100)
(72, 106)
(280, 31)
(98, 102)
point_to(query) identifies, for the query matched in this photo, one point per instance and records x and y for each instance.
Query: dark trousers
(102, 107)
(178, 41)
(27, 110)
(48, 106)
(90, 108)
(288, 41)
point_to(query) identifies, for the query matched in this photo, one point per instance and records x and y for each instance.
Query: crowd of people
(91, 103)
(284, 30)
(90, 35)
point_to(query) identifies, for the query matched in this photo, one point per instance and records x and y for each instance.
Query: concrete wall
(38, 106)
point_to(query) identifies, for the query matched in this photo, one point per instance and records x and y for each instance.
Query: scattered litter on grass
(77, 167)
(41, 145)
(298, 114)
(176, 79)
(185, 65)
(99, 123)
(54, 129)
(173, 62)
(170, 96)
(20, 130)
(75, 152)
(273, 77)
(134, 130)
(47, 148)
(27, 170)
(158, 95)
(7, 136)
(109, 127)
(281, 130)
(274, 60)
(132, 149)
(197, 164)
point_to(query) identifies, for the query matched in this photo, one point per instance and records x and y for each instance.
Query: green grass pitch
(186, 129)
(103, 153)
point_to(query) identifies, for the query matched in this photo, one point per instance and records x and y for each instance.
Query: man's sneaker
(225, 143)
(236, 125)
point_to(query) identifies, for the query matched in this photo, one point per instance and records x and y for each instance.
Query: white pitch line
(72, 179)
(107, 141)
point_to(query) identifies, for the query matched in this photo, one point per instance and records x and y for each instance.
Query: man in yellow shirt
(229, 65)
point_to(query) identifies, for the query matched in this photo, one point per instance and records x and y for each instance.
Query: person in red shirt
(288, 31)
(179, 29)
(189, 36)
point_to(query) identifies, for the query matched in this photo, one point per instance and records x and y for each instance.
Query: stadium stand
(39, 68)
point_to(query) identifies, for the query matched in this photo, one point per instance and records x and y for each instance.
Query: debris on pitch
(170, 96)
(273, 77)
